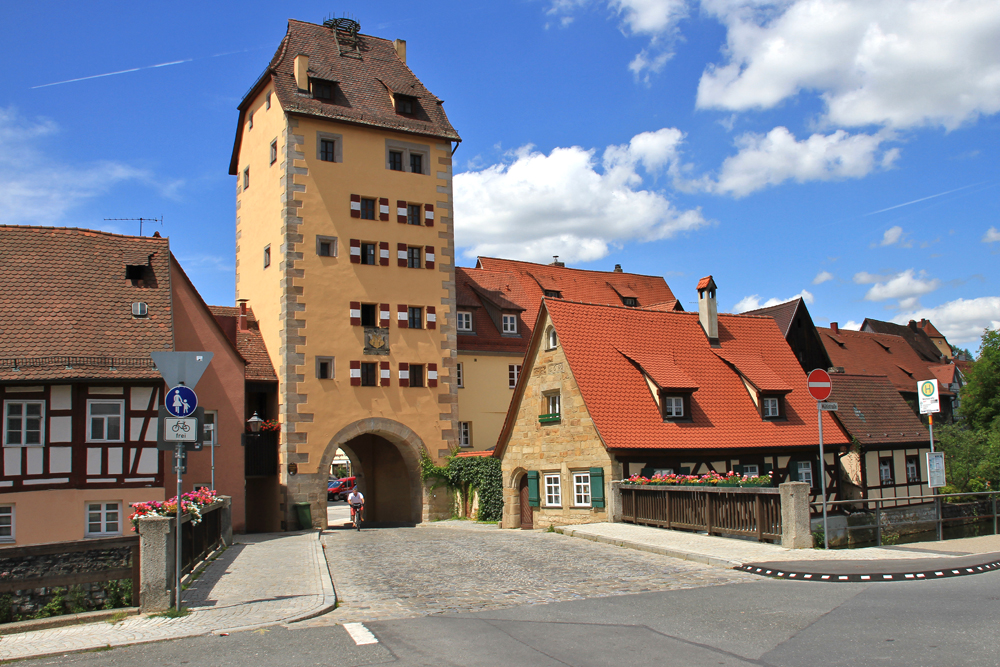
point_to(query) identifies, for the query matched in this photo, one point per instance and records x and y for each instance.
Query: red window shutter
(355, 206)
(355, 373)
(355, 251)
(404, 374)
(383, 315)
(429, 215)
(432, 375)
(431, 317)
(429, 257)
(402, 317)
(355, 313)
(385, 374)
(383, 253)
(400, 255)
(383, 208)
(401, 212)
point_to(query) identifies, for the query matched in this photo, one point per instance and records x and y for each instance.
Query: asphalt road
(766, 622)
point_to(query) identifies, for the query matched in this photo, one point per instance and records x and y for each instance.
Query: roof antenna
(141, 220)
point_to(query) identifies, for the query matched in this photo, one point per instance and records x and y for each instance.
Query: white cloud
(907, 286)
(892, 235)
(533, 206)
(992, 235)
(881, 62)
(961, 321)
(644, 62)
(776, 157)
(822, 277)
(35, 190)
(852, 325)
(752, 302)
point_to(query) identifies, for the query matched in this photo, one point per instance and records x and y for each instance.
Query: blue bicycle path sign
(181, 401)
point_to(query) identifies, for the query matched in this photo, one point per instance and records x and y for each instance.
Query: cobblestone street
(452, 567)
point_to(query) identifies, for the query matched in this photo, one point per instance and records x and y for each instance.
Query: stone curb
(66, 619)
(650, 548)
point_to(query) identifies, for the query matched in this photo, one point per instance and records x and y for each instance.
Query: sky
(844, 151)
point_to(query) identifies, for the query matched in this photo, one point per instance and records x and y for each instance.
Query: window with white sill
(104, 421)
(464, 321)
(553, 490)
(509, 324)
(24, 423)
(581, 489)
(104, 519)
(7, 523)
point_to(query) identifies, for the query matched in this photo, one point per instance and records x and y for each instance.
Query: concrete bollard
(795, 526)
(156, 573)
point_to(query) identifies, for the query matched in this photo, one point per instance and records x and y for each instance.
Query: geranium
(191, 503)
(713, 478)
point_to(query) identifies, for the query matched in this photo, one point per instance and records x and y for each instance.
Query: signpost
(820, 385)
(930, 402)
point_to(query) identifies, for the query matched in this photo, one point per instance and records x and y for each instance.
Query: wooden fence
(731, 511)
(75, 578)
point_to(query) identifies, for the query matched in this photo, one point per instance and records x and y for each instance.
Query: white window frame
(883, 466)
(770, 402)
(104, 510)
(104, 401)
(581, 489)
(8, 525)
(509, 323)
(465, 434)
(210, 426)
(553, 490)
(459, 375)
(551, 339)
(553, 400)
(513, 373)
(464, 319)
(748, 473)
(676, 407)
(915, 467)
(807, 471)
(23, 418)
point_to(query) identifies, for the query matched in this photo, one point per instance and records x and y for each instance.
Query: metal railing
(730, 511)
(199, 541)
(947, 514)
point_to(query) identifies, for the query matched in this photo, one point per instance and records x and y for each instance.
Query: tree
(972, 457)
(981, 394)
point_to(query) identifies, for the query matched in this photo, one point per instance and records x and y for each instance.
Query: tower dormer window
(630, 301)
(405, 104)
(322, 90)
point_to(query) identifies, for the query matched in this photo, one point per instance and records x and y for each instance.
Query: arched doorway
(527, 518)
(385, 458)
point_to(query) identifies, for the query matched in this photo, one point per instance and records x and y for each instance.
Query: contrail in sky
(917, 201)
(136, 69)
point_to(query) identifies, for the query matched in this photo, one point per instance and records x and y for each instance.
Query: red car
(339, 489)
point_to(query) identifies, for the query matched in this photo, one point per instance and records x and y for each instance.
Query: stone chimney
(834, 327)
(708, 309)
(556, 262)
(618, 268)
(301, 65)
(244, 325)
(400, 46)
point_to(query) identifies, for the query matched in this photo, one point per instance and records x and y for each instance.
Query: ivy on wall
(468, 475)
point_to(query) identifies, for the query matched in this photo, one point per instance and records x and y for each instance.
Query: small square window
(104, 519)
(416, 163)
(912, 470)
(553, 491)
(404, 104)
(459, 379)
(274, 151)
(369, 315)
(396, 160)
(581, 489)
(24, 423)
(267, 256)
(7, 524)
(771, 408)
(513, 372)
(465, 434)
(246, 178)
(464, 321)
(630, 301)
(322, 90)
(673, 407)
(510, 324)
(415, 317)
(104, 420)
(751, 470)
(413, 257)
(369, 375)
(324, 368)
(327, 150)
(367, 209)
(368, 252)
(555, 294)
(416, 375)
(326, 246)
(413, 214)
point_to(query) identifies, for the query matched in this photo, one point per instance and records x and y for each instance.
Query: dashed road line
(360, 634)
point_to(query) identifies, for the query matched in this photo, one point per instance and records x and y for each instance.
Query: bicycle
(356, 512)
(181, 426)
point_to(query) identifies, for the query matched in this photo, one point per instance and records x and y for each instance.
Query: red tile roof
(522, 285)
(705, 282)
(250, 344)
(930, 329)
(783, 313)
(723, 414)
(661, 369)
(871, 410)
(364, 82)
(863, 353)
(66, 305)
(917, 338)
(945, 373)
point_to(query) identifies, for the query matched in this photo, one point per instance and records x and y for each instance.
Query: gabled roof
(250, 343)
(364, 80)
(67, 305)
(523, 284)
(928, 328)
(724, 416)
(915, 337)
(863, 353)
(871, 410)
(946, 374)
(783, 313)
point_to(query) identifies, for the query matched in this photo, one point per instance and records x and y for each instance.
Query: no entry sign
(819, 384)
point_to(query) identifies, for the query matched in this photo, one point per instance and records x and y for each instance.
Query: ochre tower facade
(345, 248)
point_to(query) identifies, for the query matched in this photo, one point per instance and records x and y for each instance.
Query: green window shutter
(533, 498)
(685, 471)
(597, 487)
(764, 469)
(793, 471)
(738, 470)
(646, 472)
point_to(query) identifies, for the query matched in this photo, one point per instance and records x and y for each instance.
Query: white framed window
(7, 523)
(510, 324)
(663, 472)
(751, 470)
(673, 406)
(104, 518)
(24, 423)
(104, 421)
(553, 490)
(513, 372)
(465, 434)
(885, 471)
(912, 469)
(771, 407)
(464, 321)
(805, 470)
(551, 339)
(209, 435)
(459, 375)
(552, 404)
(581, 489)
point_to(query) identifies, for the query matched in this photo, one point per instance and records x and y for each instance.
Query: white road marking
(360, 634)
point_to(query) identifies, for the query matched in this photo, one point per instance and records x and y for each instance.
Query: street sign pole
(178, 554)
(820, 387)
(822, 474)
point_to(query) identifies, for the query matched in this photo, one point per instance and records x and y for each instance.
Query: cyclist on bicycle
(357, 502)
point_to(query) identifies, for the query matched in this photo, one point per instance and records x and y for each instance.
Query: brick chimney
(834, 327)
(243, 325)
(618, 268)
(400, 46)
(301, 67)
(708, 309)
(555, 261)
